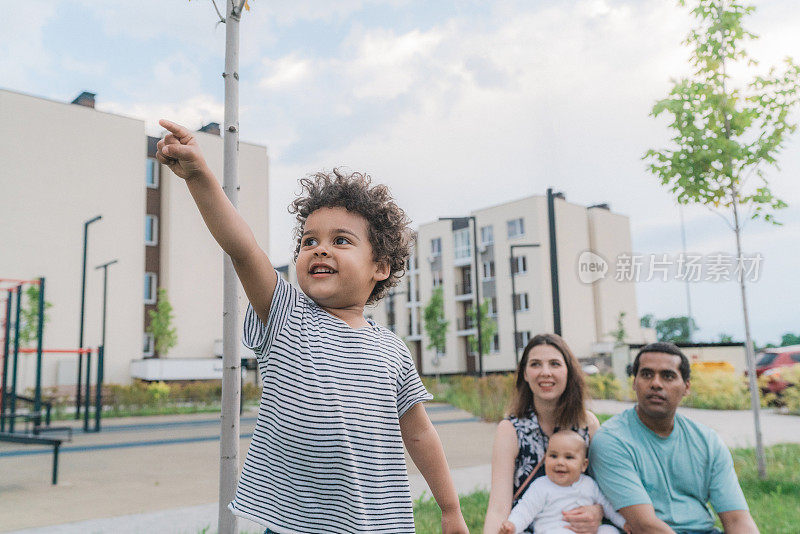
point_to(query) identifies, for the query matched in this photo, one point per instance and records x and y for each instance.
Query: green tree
(725, 338)
(29, 316)
(790, 339)
(488, 328)
(676, 329)
(647, 321)
(435, 323)
(725, 135)
(619, 333)
(165, 336)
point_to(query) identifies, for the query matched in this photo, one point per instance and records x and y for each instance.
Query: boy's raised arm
(181, 153)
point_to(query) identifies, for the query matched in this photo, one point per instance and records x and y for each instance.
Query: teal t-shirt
(678, 474)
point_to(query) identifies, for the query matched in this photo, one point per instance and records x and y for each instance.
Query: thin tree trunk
(231, 363)
(755, 402)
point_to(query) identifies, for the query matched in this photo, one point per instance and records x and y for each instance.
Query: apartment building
(540, 240)
(65, 163)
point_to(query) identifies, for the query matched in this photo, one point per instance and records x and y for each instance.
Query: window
(463, 243)
(519, 265)
(515, 228)
(523, 338)
(150, 230)
(488, 270)
(149, 345)
(436, 247)
(521, 302)
(437, 278)
(495, 343)
(151, 173)
(492, 310)
(487, 235)
(150, 288)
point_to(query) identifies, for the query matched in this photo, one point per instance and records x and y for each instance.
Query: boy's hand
(180, 152)
(453, 523)
(507, 528)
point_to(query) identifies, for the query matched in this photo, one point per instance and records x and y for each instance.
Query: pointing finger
(180, 132)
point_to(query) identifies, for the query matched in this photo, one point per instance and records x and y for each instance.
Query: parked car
(772, 363)
(777, 357)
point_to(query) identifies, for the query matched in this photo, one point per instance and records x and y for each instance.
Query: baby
(563, 488)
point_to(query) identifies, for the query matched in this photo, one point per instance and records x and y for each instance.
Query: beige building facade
(444, 257)
(65, 163)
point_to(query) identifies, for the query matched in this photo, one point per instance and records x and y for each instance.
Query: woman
(550, 393)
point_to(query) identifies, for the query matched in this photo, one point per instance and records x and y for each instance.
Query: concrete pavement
(159, 474)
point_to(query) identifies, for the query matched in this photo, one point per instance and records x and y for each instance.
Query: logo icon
(591, 267)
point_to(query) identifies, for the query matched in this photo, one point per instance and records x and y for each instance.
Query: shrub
(604, 386)
(486, 397)
(718, 390)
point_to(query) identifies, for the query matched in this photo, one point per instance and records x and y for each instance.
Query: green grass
(428, 517)
(774, 502)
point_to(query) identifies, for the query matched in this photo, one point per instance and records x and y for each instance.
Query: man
(659, 468)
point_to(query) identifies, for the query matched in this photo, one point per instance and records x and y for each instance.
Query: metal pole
(13, 402)
(88, 400)
(477, 293)
(231, 365)
(105, 294)
(7, 333)
(83, 308)
(37, 402)
(551, 217)
(98, 393)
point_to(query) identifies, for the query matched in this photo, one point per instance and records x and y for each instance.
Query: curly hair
(389, 232)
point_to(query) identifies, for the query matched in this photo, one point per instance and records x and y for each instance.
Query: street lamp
(477, 283)
(83, 308)
(514, 294)
(105, 293)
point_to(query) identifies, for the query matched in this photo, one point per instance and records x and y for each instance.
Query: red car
(770, 361)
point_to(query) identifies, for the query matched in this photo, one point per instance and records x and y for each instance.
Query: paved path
(160, 474)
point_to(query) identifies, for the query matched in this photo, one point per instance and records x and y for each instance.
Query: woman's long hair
(570, 410)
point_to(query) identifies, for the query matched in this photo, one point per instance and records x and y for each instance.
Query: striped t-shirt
(327, 454)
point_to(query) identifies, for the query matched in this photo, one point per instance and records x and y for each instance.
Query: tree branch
(221, 18)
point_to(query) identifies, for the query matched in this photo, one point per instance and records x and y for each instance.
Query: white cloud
(192, 113)
(284, 72)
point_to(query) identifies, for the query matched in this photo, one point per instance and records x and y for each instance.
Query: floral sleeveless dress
(532, 446)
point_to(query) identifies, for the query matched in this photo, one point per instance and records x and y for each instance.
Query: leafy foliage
(435, 323)
(488, 328)
(29, 316)
(717, 390)
(604, 386)
(723, 134)
(619, 333)
(676, 329)
(164, 334)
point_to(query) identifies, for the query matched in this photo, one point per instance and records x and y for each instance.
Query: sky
(455, 105)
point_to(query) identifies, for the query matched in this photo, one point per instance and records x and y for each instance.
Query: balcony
(465, 327)
(464, 291)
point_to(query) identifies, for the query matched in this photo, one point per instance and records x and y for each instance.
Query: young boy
(340, 392)
(563, 488)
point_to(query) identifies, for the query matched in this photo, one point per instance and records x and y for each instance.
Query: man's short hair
(668, 348)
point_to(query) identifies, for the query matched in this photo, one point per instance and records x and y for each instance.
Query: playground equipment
(34, 417)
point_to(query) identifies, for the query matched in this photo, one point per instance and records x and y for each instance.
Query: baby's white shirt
(544, 501)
